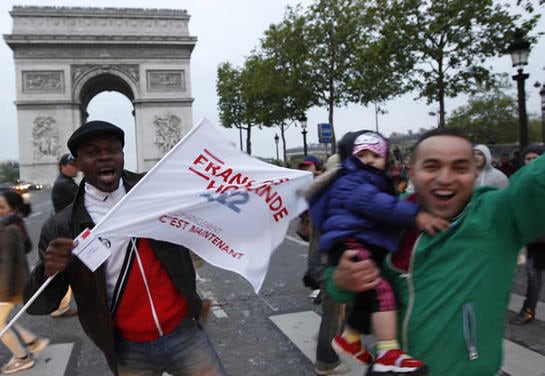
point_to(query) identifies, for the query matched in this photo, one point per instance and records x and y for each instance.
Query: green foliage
(535, 131)
(450, 42)
(336, 36)
(229, 90)
(234, 103)
(492, 117)
(337, 52)
(334, 54)
(9, 172)
(382, 60)
(270, 89)
(286, 51)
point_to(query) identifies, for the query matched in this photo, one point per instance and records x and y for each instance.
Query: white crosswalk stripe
(50, 362)
(516, 301)
(518, 360)
(302, 329)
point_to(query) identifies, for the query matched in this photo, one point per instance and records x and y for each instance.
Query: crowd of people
(398, 248)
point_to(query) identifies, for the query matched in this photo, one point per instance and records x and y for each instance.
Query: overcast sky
(228, 31)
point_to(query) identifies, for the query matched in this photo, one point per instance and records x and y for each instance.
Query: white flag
(205, 194)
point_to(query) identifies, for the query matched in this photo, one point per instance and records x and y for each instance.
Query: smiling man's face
(443, 173)
(101, 160)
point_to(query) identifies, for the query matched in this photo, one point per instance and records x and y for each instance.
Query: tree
(240, 102)
(230, 104)
(451, 41)
(530, 5)
(488, 118)
(333, 32)
(535, 133)
(383, 59)
(283, 57)
(9, 172)
(313, 53)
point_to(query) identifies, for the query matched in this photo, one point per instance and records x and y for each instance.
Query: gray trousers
(533, 284)
(330, 326)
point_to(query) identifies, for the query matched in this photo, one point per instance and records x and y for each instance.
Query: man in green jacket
(453, 288)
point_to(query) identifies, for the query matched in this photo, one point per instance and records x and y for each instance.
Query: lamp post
(276, 139)
(519, 50)
(542, 94)
(303, 121)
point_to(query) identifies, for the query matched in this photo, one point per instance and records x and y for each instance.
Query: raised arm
(520, 206)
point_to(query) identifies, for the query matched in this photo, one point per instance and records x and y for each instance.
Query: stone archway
(65, 56)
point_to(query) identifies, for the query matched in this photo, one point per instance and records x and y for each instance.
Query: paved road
(270, 334)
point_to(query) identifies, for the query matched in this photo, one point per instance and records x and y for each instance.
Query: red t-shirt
(133, 318)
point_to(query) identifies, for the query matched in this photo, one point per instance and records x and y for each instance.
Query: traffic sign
(325, 133)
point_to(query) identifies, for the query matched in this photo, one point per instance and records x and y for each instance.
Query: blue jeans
(185, 351)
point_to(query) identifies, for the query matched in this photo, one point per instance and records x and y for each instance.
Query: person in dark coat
(64, 188)
(535, 260)
(14, 245)
(358, 210)
(62, 194)
(140, 307)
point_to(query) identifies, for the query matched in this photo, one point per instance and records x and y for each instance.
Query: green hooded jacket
(453, 299)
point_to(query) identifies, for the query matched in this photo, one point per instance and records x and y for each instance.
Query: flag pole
(25, 307)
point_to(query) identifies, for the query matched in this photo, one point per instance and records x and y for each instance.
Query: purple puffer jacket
(360, 203)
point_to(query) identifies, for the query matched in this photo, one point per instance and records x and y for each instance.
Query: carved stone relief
(131, 70)
(43, 81)
(166, 80)
(167, 131)
(45, 137)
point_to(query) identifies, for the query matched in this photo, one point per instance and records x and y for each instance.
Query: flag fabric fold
(205, 194)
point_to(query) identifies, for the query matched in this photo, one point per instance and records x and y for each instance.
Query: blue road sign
(325, 133)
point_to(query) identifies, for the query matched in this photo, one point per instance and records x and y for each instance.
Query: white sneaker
(339, 370)
(38, 345)
(18, 364)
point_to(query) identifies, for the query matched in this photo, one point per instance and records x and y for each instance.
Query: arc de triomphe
(65, 56)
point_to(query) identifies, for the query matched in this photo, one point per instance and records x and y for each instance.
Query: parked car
(5, 187)
(22, 186)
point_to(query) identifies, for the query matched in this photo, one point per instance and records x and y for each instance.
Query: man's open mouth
(106, 173)
(443, 195)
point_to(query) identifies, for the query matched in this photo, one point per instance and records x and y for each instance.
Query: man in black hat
(140, 307)
(62, 194)
(65, 188)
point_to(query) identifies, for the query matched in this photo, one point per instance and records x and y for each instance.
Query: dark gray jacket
(89, 288)
(63, 192)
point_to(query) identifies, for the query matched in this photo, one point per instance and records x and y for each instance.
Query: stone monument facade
(64, 56)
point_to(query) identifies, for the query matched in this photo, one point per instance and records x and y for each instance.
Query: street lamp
(542, 94)
(303, 121)
(276, 139)
(519, 50)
